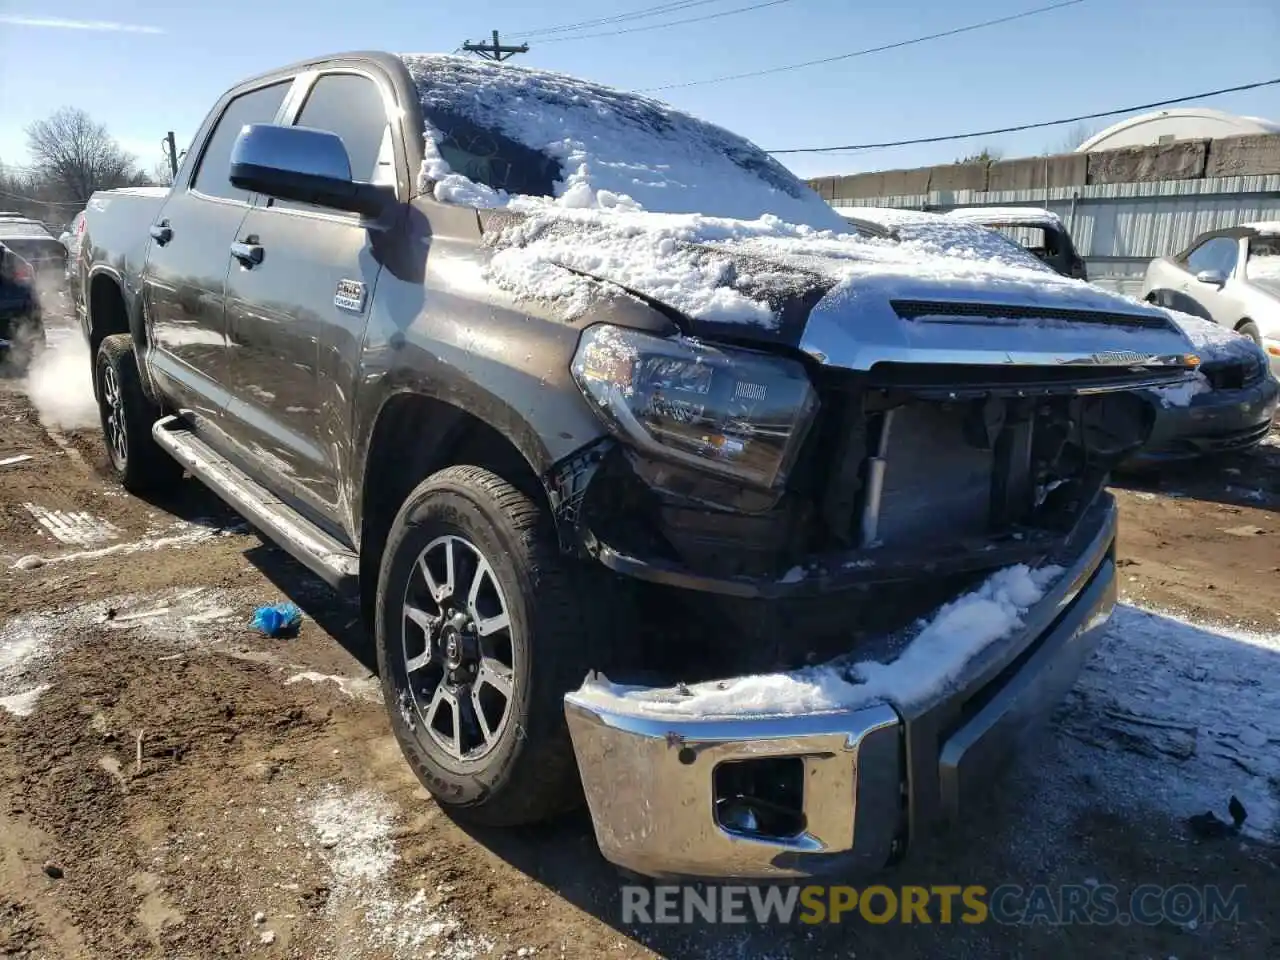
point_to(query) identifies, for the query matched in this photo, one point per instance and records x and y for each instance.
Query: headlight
(730, 412)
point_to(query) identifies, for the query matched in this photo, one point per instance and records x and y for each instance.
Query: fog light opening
(762, 799)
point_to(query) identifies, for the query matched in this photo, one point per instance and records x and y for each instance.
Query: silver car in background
(1231, 277)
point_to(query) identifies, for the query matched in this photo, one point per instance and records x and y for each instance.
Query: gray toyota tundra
(658, 484)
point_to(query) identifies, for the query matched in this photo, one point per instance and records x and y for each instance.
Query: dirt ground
(174, 785)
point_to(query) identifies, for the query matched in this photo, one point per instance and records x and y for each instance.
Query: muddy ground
(174, 785)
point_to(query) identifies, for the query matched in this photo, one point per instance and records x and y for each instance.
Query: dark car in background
(31, 241)
(21, 326)
(1041, 232)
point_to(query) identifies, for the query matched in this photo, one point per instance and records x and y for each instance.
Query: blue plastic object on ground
(279, 620)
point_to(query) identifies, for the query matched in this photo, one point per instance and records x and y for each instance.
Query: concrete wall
(1184, 160)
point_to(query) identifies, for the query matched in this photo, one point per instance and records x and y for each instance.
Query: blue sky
(1096, 55)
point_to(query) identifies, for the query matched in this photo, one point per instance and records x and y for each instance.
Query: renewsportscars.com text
(1059, 905)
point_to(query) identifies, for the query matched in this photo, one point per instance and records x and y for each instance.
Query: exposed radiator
(936, 486)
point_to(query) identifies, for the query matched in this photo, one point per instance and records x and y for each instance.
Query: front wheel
(127, 418)
(482, 627)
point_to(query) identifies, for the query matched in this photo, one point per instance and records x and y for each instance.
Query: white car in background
(1231, 277)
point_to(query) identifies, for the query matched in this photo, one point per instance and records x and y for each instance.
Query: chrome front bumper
(875, 779)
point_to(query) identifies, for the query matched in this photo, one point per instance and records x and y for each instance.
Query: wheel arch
(108, 310)
(416, 433)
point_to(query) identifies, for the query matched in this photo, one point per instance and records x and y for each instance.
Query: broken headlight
(732, 412)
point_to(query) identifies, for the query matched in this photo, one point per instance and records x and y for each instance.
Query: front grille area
(943, 310)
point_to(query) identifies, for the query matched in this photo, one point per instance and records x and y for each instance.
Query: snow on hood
(611, 186)
(1213, 343)
(925, 670)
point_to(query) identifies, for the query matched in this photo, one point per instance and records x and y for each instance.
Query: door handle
(161, 233)
(249, 254)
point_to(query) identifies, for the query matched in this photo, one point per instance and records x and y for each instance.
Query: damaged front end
(780, 509)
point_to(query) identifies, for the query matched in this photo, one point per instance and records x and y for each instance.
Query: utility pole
(171, 151)
(495, 51)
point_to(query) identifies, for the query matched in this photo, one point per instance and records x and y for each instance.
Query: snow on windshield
(501, 124)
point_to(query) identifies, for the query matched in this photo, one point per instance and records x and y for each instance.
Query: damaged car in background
(1227, 406)
(657, 483)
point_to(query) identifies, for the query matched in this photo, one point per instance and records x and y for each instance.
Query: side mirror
(302, 164)
(1214, 278)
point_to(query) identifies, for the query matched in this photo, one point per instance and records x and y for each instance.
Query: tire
(1250, 330)
(519, 767)
(127, 416)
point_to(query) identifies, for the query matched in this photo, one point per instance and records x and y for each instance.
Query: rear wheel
(127, 418)
(482, 627)
(1250, 330)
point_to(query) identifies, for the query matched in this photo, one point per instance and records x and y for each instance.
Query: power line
(670, 23)
(1033, 126)
(869, 50)
(671, 7)
(44, 203)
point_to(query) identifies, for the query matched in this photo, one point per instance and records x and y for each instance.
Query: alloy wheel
(112, 399)
(458, 653)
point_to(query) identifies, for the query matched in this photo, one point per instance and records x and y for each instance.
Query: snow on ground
(28, 644)
(925, 669)
(178, 534)
(357, 688)
(1179, 717)
(355, 835)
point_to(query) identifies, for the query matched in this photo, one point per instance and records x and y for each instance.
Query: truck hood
(846, 299)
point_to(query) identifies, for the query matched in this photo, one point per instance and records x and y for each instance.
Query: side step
(337, 565)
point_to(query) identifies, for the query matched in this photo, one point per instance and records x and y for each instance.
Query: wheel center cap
(454, 643)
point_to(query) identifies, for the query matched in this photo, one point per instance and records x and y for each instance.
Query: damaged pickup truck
(656, 482)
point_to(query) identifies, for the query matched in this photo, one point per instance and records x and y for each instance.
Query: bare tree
(77, 156)
(1072, 137)
(987, 154)
(161, 175)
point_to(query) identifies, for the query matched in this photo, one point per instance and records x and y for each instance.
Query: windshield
(1263, 265)
(496, 134)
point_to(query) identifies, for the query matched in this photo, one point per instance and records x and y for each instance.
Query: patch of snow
(354, 831)
(23, 704)
(357, 688)
(78, 529)
(1005, 215)
(1181, 394)
(1213, 341)
(1179, 716)
(189, 536)
(936, 656)
(607, 187)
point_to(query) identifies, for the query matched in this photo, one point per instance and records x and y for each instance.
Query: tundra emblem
(350, 296)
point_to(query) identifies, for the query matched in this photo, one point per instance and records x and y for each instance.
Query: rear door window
(256, 106)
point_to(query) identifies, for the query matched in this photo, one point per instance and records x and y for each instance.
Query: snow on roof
(1037, 216)
(1264, 226)
(942, 647)
(951, 236)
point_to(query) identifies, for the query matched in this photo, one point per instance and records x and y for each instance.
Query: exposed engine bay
(899, 497)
